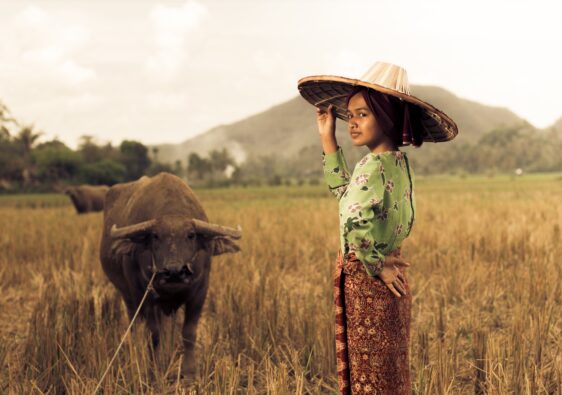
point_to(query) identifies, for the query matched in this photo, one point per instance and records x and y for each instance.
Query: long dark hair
(398, 119)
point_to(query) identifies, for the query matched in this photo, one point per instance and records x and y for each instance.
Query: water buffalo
(87, 198)
(156, 224)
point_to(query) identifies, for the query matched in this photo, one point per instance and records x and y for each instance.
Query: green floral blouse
(376, 204)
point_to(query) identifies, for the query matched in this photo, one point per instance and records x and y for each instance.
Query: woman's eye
(362, 114)
(191, 236)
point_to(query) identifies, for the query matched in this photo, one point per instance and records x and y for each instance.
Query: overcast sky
(162, 71)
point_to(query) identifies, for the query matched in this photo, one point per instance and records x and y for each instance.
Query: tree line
(502, 150)
(29, 164)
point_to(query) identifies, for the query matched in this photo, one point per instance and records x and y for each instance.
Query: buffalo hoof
(188, 375)
(185, 382)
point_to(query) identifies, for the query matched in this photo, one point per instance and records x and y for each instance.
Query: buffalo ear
(122, 247)
(222, 245)
(142, 238)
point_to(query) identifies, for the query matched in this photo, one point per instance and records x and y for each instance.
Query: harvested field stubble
(486, 318)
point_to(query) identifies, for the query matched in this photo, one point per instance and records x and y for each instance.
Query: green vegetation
(30, 166)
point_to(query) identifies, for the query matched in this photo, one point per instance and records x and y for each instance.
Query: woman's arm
(364, 211)
(336, 173)
(365, 215)
(326, 122)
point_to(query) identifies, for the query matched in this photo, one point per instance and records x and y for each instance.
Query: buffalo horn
(215, 230)
(131, 230)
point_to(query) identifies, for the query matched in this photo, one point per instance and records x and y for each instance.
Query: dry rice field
(486, 277)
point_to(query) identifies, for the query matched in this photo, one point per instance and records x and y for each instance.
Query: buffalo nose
(175, 271)
(185, 270)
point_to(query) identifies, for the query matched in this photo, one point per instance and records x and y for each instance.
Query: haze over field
(287, 128)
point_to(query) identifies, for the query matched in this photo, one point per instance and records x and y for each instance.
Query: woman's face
(362, 125)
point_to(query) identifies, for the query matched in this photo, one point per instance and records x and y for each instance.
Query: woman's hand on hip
(326, 122)
(393, 279)
(395, 260)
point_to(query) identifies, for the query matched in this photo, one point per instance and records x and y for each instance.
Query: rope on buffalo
(148, 289)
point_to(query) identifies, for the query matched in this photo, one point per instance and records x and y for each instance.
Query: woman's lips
(354, 134)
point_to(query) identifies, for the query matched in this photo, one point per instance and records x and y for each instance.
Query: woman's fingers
(394, 279)
(392, 260)
(329, 111)
(400, 286)
(401, 263)
(401, 280)
(396, 283)
(393, 290)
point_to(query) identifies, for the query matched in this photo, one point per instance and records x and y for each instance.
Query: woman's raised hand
(326, 122)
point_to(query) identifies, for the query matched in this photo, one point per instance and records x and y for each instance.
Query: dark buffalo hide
(87, 198)
(157, 225)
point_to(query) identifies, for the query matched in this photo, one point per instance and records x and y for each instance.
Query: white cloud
(32, 16)
(46, 55)
(267, 62)
(47, 44)
(76, 74)
(349, 62)
(85, 101)
(171, 25)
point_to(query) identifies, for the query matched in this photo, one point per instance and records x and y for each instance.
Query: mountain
(473, 118)
(557, 127)
(290, 128)
(282, 129)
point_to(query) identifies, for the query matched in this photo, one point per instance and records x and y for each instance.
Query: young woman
(376, 209)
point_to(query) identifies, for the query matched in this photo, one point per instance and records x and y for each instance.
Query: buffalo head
(174, 245)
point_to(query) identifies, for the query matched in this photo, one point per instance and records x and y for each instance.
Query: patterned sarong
(372, 332)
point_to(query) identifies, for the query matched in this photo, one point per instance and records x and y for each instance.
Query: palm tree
(25, 140)
(5, 119)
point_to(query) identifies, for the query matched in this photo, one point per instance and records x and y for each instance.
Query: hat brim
(323, 90)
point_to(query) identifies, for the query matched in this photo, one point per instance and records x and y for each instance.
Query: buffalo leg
(131, 308)
(189, 337)
(153, 323)
(132, 291)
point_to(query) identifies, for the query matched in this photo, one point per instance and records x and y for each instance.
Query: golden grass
(486, 318)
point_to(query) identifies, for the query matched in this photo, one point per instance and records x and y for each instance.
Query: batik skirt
(372, 332)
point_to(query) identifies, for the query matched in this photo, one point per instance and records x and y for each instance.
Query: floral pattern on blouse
(376, 204)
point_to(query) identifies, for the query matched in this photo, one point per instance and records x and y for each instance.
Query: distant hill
(288, 128)
(472, 118)
(282, 129)
(558, 127)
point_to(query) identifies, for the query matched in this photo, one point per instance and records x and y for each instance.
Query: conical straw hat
(323, 90)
